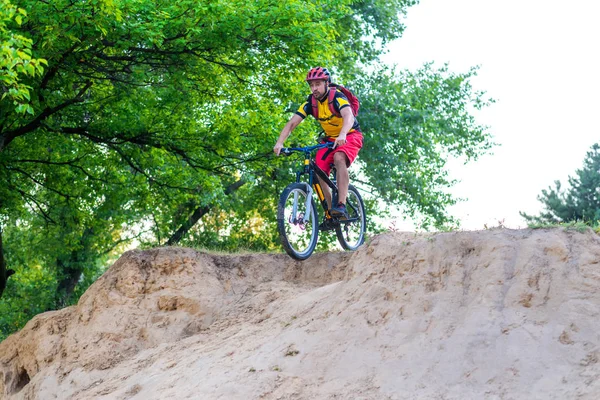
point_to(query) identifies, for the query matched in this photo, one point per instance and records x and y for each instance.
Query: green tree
(416, 121)
(580, 202)
(156, 121)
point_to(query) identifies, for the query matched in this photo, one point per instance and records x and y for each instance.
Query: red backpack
(352, 99)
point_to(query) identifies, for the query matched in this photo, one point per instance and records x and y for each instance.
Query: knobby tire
(352, 234)
(298, 240)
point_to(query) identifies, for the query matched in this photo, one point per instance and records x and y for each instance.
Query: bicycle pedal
(326, 225)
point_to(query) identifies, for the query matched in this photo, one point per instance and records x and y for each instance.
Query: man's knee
(340, 159)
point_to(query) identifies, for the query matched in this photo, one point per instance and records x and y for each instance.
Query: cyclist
(343, 130)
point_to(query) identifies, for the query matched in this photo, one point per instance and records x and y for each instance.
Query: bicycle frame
(311, 168)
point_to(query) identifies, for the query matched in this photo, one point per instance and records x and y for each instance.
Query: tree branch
(37, 181)
(71, 164)
(197, 214)
(9, 136)
(30, 198)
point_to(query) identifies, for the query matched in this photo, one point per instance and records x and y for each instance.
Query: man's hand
(340, 140)
(277, 148)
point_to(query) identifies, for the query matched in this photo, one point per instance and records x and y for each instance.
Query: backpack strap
(330, 100)
(314, 106)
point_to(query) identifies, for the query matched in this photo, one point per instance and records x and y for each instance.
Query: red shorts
(354, 142)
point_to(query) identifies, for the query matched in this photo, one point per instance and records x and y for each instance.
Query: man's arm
(348, 123)
(285, 132)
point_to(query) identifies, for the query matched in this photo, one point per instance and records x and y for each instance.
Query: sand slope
(496, 314)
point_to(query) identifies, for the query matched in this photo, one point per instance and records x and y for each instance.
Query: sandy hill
(497, 314)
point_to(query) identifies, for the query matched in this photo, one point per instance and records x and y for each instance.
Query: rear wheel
(351, 232)
(298, 230)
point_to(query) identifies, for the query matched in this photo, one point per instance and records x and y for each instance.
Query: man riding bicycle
(342, 129)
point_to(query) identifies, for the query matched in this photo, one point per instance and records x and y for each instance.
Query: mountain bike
(297, 219)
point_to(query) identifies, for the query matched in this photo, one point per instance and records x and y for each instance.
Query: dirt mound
(499, 314)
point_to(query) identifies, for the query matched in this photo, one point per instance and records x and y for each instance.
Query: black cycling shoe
(339, 211)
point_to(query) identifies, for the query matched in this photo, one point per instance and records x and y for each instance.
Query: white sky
(539, 60)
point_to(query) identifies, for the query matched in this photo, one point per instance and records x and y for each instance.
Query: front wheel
(298, 229)
(351, 232)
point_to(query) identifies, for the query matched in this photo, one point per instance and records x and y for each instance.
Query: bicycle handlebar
(287, 151)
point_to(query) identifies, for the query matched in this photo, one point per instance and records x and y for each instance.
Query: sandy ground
(496, 314)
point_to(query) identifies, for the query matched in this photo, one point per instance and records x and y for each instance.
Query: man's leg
(326, 191)
(339, 209)
(340, 161)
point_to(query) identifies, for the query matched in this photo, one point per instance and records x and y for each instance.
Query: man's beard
(322, 97)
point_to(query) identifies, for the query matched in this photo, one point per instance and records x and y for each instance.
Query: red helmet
(317, 74)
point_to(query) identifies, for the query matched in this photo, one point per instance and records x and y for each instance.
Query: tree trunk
(69, 277)
(196, 215)
(187, 225)
(4, 273)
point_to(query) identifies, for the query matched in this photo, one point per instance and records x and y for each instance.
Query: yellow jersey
(331, 124)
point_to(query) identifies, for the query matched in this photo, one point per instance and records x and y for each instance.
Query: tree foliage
(16, 61)
(154, 121)
(580, 202)
(416, 121)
